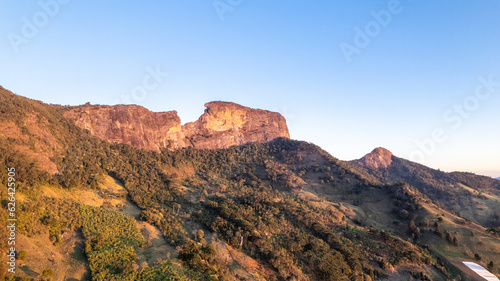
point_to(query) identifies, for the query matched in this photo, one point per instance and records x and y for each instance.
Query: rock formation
(223, 124)
(378, 158)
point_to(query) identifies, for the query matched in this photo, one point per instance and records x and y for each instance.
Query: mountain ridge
(222, 124)
(299, 211)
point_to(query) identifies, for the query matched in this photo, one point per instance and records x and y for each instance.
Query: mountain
(223, 124)
(463, 193)
(378, 158)
(102, 191)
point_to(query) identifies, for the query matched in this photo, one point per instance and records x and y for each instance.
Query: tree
(176, 207)
(425, 223)
(404, 214)
(477, 257)
(21, 255)
(412, 226)
(47, 273)
(199, 234)
(491, 267)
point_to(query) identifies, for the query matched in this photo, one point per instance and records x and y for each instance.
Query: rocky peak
(223, 124)
(378, 158)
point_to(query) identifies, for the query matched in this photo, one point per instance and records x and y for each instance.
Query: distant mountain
(378, 158)
(457, 191)
(128, 194)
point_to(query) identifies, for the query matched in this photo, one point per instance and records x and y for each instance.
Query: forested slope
(293, 208)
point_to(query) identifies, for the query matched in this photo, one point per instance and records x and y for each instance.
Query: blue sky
(407, 80)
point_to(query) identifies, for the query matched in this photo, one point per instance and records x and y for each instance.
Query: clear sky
(420, 78)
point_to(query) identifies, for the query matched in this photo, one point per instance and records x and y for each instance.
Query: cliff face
(223, 124)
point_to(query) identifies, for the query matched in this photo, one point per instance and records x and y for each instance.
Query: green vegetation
(21, 255)
(38, 215)
(48, 273)
(111, 240)
(297, 211)
(164, 271)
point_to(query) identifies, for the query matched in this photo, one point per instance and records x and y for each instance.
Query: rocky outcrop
(378, 158)
(223, 124)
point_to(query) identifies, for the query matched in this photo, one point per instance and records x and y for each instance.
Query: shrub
(21, 255)
(47, 273)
